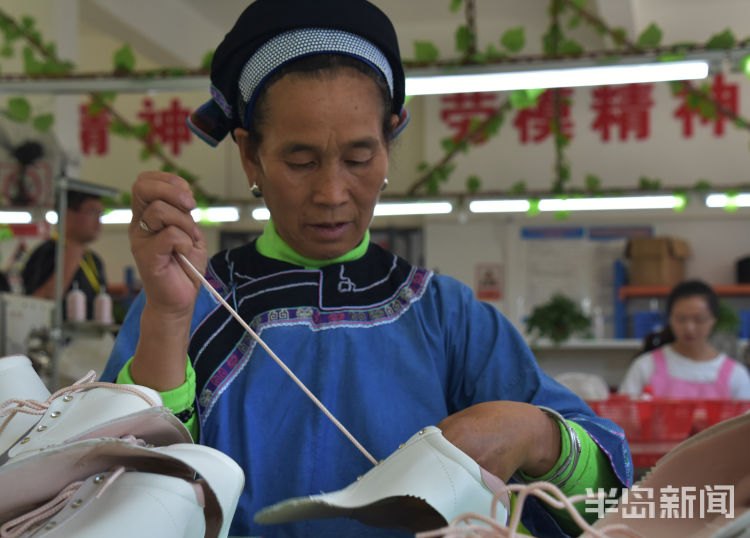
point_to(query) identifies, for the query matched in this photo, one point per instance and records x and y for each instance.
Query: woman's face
(322, 160)
(691, 320)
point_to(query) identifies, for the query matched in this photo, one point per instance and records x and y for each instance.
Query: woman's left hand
(504, 436)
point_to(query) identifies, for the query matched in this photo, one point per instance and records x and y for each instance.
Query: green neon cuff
(558, 468)
(178, 400)
(593, 471)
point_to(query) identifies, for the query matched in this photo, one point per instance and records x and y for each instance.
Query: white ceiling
(179, 32)
(402, 12)
(682, 20)
(429, 20)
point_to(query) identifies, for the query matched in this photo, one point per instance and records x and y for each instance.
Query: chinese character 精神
(167, 125)
(94, 130)
(626, 108)
(726, 95)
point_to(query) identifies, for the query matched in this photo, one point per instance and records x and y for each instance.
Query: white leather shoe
(224, 478)
(18, 379)
(86, 410)
(133, 504)
(426, 483)
(40, 477)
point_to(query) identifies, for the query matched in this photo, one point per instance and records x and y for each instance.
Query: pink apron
(662, 385)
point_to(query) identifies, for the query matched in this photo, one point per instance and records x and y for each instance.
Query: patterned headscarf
(272, 33)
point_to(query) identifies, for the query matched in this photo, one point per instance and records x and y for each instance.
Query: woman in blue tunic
(313, 94)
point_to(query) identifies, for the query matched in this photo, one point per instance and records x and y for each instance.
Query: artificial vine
(700, 98)
(433, 176)
(557, 45)
(555, 41)
(40, 59)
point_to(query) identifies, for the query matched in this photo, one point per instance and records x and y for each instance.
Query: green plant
(557, 319)
(728, 321)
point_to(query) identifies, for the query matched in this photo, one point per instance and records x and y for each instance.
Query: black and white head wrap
(272, 33)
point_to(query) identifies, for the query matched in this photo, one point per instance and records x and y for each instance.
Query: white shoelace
(18, 526)
(470, 524)
(9, 408)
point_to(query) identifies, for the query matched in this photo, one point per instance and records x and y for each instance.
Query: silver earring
(385, 184)
(256, 191)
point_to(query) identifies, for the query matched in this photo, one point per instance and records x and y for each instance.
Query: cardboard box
(657, 261)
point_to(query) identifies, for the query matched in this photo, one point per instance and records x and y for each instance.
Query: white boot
(40, 477)
(85, 410)
(132, 504)
(222, 474)
(18, 379)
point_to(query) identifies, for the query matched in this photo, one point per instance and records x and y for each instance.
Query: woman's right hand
(163, 202)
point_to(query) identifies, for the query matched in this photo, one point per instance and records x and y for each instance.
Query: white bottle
(75, 304)
(103, 307)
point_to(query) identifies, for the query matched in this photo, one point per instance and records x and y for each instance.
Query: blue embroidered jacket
(388, 347)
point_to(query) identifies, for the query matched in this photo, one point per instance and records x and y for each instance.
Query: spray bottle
(103, 307)
(75, 304)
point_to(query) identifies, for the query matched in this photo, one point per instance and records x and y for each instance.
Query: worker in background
(82, 268)
(683, 363)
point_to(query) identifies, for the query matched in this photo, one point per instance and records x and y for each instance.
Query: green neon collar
(271, 245)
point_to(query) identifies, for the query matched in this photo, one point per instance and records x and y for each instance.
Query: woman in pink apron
(686, 365)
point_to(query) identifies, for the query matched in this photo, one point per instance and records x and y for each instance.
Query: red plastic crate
(653, 427)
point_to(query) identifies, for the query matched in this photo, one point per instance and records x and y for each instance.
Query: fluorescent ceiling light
(210, 214)
(15, 217)
(413, 208)
(216, 214)
(723, 200)
(117, 216)
(608, 204)
(387, 209)
(578, 204)
(499, 206)
(261, 213)
(113, 216)
(568, 77)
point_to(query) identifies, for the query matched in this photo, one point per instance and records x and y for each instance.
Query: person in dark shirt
(81, 265)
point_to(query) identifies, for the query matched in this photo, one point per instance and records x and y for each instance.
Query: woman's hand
(163, 202)
(504, 436)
